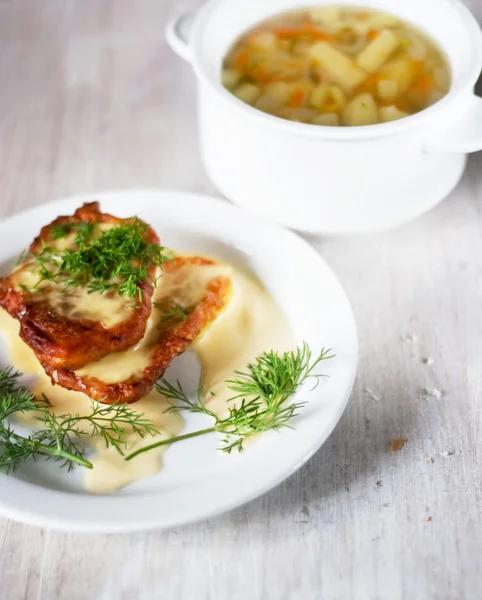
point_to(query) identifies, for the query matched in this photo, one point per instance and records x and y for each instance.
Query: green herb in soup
(336, 66)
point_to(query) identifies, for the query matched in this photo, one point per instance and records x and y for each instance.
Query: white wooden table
(91, 99)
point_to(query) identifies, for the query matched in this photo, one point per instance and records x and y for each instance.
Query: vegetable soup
(336, 66)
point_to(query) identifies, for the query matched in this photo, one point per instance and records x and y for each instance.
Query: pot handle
(177, 33)
(463, 135)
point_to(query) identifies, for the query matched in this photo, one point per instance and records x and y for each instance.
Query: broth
(336, 66)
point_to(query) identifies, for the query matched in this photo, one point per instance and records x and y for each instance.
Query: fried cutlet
(69, 313)
(189, 296)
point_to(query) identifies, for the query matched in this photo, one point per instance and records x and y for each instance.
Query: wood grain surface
(91, 99)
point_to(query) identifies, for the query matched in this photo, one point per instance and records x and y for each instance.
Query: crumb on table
(397, 444)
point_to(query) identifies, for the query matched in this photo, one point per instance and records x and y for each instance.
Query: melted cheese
(109, 308)
(185, 287)
(251, 323)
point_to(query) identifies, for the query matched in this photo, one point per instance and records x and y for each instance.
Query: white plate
(197, 481)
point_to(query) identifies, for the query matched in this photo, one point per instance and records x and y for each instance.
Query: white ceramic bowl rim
(464, 84)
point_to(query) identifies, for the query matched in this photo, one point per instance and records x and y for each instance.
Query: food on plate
(260, 402)
(336, 66)
(85, 272)
(189, 295)
(84, 288)
(60, 436)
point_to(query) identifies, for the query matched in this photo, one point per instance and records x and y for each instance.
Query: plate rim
(31, 517)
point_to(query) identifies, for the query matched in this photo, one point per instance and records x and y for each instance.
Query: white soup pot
(333, 180)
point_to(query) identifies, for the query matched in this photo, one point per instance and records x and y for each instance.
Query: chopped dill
(171, 311)
(117, 259)
(61, 230)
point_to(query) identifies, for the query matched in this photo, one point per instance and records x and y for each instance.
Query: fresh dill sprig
(177, 394)
(117, 259)
(171, 311)
(61, 437)
(261, 398)
(109, 422)
(14, 397)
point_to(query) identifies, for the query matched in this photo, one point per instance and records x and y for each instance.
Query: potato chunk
(403, 71)
(320, 95)
(391, 113)
(248, 92)
(361, 110)
(340, 67)
(275, 95)
(266, 40)
(230, 78)
(328, 119)
(378, 51)
(387, 89)
(325, 14)
(383, 20)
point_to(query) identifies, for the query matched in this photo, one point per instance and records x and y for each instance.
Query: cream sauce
(111, 472)
(251, 323)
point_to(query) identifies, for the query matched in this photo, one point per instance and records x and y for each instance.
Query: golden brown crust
(63, 343)
(172, 341)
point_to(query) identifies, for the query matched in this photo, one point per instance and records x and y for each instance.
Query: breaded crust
(58, 341)
(168, 340)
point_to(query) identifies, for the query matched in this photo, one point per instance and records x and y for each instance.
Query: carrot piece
(241, 60)
(319, 35)
(304, 29)
(369, 84)
(316, 33)
(297, 98)
(287, 32)
(372, 80)
(373, 34)
(260, 75)
(424, 84)
(420, 93)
